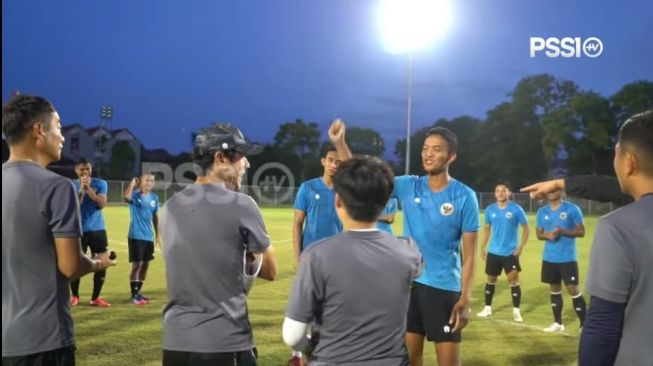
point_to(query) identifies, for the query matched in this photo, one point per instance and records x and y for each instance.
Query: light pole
(106, 114)
(409, 110)
(407, 26)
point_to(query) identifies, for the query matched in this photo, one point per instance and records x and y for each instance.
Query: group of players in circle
(361, 296)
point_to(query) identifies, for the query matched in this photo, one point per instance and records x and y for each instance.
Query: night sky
(171, 67)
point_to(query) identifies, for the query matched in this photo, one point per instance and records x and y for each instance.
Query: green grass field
(125, 334)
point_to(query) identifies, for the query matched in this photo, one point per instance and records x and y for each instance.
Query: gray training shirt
(37, 206)
(621, 271)
(205, 231)
(355, 287)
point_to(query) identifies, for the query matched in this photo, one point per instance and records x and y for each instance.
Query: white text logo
(567, 47)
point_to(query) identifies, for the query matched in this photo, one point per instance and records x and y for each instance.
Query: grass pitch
(126, 334)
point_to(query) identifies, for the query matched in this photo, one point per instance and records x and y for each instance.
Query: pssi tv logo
(567, 47)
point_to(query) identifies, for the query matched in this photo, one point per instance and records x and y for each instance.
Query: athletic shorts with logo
(429, 311)
(495, 263)
(555, 273)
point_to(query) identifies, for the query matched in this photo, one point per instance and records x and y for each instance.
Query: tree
(582, 129)
(300, 140)
(509, 144)
(122, 161)
(633, 98)
(365, 141)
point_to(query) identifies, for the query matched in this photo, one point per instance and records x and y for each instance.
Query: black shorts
(495, 263)
(429, 311)
(179, 358)
(58, 357)
(554, 273)
(140, 250)
(96, 240)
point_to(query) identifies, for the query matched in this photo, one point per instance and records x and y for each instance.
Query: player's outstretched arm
(337, 138)
(538, 191)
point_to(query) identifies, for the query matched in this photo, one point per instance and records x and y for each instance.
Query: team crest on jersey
(446, 209)
(152, 204)
(546, 217)
(508, 215)
(317, 196)
(563, 216)
(494, 215)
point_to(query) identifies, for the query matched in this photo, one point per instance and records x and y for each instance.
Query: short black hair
(20, 114)
(448, 135)
(364, 184)
(637, 134)
(326, 149)
(82, 161)
(503, 183)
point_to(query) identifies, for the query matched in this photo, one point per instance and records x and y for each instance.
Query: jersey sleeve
(521, 216)
(470, 213)
(488, 215)
(307, 292)
(102, 187)
(301, 201)
(610, 273)
(404, 186)
(577, 216)
(60, 205)
(251, 225)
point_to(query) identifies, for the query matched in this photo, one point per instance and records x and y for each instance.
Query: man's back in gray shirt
(621, 271)
(205, 230)
(37, 206)
(355, 287)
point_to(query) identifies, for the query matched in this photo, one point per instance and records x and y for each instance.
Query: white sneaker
(516, 315)
(555, 327)
(487, 311)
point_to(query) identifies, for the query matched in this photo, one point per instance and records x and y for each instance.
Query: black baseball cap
(224, 137)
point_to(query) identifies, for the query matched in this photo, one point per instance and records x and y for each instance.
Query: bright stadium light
(407, 26)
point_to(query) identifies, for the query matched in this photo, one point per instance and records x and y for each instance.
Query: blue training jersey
(141, 210)
(92, 218)
(390, 208)
(436, 221)
(317, 202)
(566, 217)
(505, 224)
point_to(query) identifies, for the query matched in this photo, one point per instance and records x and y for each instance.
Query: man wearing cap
(207, 231)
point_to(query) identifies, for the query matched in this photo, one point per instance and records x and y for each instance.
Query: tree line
(546, 127)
